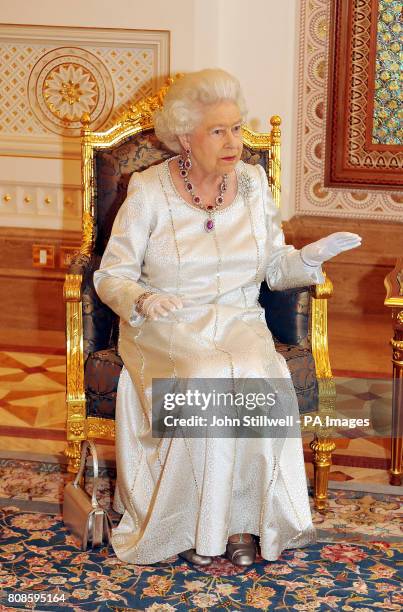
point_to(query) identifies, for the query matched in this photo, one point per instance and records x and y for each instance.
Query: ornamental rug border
(36, 485)
(312, 196)
(51, 75)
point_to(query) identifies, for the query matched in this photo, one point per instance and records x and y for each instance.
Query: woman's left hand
(160, 304)
(316, 253)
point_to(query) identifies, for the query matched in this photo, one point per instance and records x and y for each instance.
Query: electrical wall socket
(43, 256)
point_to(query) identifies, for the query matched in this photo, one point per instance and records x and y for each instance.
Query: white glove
(159, 305)
(316, 253)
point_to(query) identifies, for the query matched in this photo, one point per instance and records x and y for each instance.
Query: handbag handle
(89, 445)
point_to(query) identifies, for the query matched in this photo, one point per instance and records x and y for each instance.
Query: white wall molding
(40, 146)
(93, 36)
(40, 205)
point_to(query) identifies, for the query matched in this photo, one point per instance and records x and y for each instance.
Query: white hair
(183, 105)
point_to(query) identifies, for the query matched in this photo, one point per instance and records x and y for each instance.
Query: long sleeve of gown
(285, 268)
(116, 280)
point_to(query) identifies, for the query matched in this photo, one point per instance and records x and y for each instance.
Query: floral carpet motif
(352, 516)
(355, 516)
(40, 556)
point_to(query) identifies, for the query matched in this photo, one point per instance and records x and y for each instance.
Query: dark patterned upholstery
(287, 312)
(288, 318)
(256, 157)
(302, 367)
(113, 170)
(102, 372)
(100, 323)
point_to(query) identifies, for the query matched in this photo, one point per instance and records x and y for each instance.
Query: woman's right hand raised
(316, 253)
(159, 305)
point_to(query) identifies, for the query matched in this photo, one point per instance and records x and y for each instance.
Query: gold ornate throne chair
(297, 317)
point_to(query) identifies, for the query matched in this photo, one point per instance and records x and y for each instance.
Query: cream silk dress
(182, 493)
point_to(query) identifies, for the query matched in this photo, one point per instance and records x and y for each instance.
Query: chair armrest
(79, 264)
(99, 322)
(320, 294)
(75, 394)
(287, 314)
(89, 327)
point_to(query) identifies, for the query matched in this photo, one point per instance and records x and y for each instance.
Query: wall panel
(313, 197)
(32, 296)
(50, 76)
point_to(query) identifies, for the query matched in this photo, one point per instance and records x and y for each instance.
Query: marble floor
(33, 414)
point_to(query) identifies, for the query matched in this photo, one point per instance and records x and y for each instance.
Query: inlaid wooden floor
(32, 388)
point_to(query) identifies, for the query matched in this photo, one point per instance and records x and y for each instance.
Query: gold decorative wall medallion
(67, 82)
(69, 91)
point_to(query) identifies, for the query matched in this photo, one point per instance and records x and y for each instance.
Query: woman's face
(216, 143)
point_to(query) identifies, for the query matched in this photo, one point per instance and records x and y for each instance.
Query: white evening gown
(178, 493)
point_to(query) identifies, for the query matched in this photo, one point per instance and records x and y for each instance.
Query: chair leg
(73, 453)
(322, 460)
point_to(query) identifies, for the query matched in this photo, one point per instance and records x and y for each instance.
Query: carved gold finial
(7, 197)
(48, 200)
(85, 120)
(324, 290)
(27, 199)
(275, 121)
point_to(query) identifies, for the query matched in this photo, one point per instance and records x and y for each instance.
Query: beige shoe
(241, 553)
(192, 557)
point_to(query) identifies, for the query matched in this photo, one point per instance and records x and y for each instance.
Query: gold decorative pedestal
(394, 299)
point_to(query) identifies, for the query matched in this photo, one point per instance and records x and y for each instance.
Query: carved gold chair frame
(79, 426)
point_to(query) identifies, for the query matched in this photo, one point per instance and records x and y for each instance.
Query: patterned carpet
(39, 557)
(354, 566)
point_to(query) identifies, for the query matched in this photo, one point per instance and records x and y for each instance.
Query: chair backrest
(108, 160)
(113, 169)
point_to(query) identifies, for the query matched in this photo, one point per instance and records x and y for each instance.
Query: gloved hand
(159, 305)
(316, 253)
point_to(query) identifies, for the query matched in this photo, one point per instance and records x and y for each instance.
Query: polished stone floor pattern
(33, 417)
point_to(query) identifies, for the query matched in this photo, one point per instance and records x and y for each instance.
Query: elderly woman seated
(190, 247)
